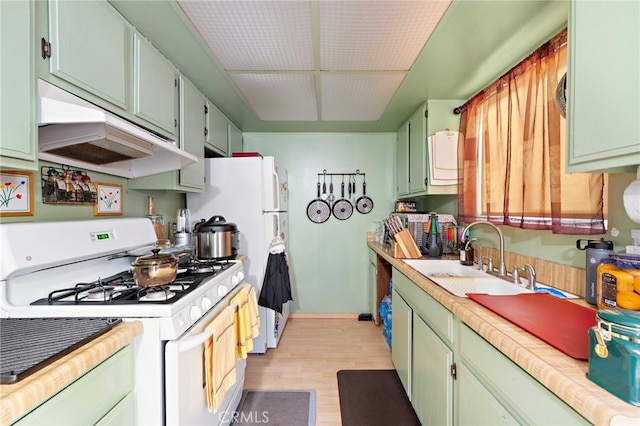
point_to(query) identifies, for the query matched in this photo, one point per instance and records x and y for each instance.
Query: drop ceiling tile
(357, 97)
(255, 35)
(279, 97)
(375, 34)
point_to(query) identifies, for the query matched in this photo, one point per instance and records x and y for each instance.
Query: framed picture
(16, 194)
(109, 199)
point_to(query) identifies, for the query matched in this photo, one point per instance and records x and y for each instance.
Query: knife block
(404, 247)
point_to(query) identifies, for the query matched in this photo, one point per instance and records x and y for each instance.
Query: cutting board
(560, 323)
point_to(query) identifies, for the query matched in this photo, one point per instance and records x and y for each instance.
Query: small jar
(467, 254)
(618, 282)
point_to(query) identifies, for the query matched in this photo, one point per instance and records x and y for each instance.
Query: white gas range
(82, 269)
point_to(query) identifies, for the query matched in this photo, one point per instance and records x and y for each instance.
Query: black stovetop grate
(30, 344)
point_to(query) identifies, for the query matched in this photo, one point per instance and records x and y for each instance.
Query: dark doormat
(276, 408)
(374, 397)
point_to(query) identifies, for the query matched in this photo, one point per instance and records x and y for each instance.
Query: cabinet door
(91, 397)
(432, 396)
(90, 48)
(417, 151)
(154, 86)
(401, 339)
(603, 91)
(402, 160)
(17, 128)
(216, 139)
(121, 414)
(235, 139)
(475, 404)
(192, 124)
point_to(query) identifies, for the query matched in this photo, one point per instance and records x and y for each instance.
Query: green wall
(135, 202)
(329, 261)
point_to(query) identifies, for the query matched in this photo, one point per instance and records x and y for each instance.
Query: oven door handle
(194, 341)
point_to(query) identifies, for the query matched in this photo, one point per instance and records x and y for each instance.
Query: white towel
(443, 158)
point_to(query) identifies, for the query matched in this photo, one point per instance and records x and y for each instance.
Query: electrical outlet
(633, 249)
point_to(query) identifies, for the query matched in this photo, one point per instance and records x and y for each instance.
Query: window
(512, 153)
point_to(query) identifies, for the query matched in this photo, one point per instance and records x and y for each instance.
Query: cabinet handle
(45, 48)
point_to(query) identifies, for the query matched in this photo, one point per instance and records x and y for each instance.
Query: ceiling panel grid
(319, 60)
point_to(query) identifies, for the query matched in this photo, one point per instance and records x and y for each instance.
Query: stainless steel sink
(459, 280)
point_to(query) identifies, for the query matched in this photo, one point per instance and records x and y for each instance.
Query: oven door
(185, 393)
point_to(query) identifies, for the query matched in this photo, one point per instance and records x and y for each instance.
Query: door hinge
(206, 109)
(45, 48)
(426, 113)
(206, 132)
(453, 371)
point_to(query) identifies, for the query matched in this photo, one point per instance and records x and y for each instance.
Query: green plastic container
(614, 353)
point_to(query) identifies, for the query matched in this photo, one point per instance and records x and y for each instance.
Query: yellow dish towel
(219, 358)
(247, 319)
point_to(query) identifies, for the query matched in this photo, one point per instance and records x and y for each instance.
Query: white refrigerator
(252, 193)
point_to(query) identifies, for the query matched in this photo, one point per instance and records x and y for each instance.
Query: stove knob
(206, 304)
(222, 290)
(237, 278)
(195, 313)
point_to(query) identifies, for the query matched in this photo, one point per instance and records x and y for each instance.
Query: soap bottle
(466, 254)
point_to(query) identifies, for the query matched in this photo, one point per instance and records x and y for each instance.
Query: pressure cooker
(215, 239)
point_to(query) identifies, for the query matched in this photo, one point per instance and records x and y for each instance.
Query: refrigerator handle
(276, 192)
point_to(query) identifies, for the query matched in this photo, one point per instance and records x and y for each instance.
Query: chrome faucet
(531, 276)
(501, 268)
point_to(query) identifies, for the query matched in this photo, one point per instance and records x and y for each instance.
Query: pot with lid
(597, 250)
(215, 239)
(154, 269)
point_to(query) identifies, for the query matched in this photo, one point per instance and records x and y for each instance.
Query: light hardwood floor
(311, 352)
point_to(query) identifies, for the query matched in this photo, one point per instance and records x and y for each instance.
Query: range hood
(77, 133)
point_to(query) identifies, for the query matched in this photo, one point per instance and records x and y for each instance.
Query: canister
(618, 282)
(614, 353)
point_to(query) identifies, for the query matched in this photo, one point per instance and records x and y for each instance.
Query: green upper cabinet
(235, 139)
(90, 48)
(155, 86)
(192, 131)
(603, 105)
(217, 139)
(402, 160)
(412, 161)
(192, 126)
(17, 115)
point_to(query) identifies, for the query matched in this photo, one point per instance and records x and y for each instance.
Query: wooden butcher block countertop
(19, 398)
(561, 374)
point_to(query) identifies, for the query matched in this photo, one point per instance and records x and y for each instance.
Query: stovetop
(120, 289)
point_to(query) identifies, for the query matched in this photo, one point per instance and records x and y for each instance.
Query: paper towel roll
(631, 199)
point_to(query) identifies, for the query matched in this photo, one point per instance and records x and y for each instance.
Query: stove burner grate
(121, 289)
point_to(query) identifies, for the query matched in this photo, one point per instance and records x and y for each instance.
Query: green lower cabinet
(454, 376)
(432, 396)
(104, 395)
(475, 404)
(401, 331)
(121, 414)
(522, 396)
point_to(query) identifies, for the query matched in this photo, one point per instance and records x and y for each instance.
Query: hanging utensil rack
(319, 209)
(65, 186)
